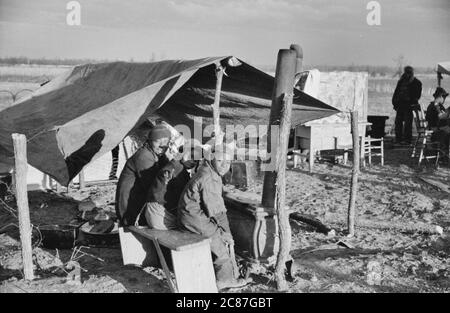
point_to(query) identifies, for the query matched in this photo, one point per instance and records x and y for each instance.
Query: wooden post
(280, 195)
(81, 180)
(299, 60)
(355, 172)
(216, 105)
(20, 156)
(284, 82)
(274, 189)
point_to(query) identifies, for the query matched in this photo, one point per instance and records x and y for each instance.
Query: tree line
(373, 70)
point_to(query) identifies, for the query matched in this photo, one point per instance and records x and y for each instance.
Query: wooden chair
(372, 147)
(423, 142)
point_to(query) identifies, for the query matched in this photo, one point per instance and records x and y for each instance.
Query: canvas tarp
(86, 112)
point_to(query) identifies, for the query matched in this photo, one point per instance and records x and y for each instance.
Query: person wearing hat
(438, 118)
(406, 96)
(201, 210)
(137, 174)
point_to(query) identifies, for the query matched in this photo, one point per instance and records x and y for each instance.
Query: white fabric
(312, 83)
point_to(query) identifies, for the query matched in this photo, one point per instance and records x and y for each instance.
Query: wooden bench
(187, 254)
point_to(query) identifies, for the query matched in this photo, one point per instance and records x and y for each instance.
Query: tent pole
(355, 172)
(20, 172)
(81, 184)
(216, 106)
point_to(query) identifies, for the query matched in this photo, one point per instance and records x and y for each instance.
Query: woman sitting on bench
(137, 174)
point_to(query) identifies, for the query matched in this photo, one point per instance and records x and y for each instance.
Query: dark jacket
(432, 116)
(133, 184)
(201, 208)
(168, 185)
(407, 94)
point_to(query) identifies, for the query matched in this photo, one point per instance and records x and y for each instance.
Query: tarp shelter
(84, 113)
(442, 68)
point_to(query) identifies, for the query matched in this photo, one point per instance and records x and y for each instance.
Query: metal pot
(93, 239)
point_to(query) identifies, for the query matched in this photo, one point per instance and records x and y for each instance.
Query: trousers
(403, 124)
(158, 217)
(222, 258)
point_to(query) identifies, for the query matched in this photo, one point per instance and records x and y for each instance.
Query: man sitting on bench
(201, 210)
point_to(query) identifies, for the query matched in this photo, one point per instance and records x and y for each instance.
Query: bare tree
(400, 62)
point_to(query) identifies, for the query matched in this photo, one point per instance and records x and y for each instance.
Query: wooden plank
(172, 239)
(136, 250)
(435, 183)
(100, 182)
(20, 157)
(194, 270)
(310, 220)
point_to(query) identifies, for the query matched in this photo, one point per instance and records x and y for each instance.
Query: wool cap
(159, 132)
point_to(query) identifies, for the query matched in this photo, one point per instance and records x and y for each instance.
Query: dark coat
(201, 208)
(134, 183)
(432, 116)
(168, 185)
(409, 98)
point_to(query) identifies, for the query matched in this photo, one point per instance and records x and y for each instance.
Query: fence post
(20, 156)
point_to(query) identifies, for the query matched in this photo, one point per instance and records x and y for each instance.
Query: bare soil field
(377, 259)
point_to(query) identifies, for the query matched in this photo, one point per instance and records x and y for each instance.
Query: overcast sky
(331, 32)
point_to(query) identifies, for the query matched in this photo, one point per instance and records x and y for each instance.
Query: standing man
(406, 96)
(201, 210)
(137, 174)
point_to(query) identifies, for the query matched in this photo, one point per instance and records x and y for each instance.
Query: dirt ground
(376, 259)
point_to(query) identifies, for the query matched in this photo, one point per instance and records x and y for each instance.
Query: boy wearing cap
(438, 119)
(137, 174)
(201, 210)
